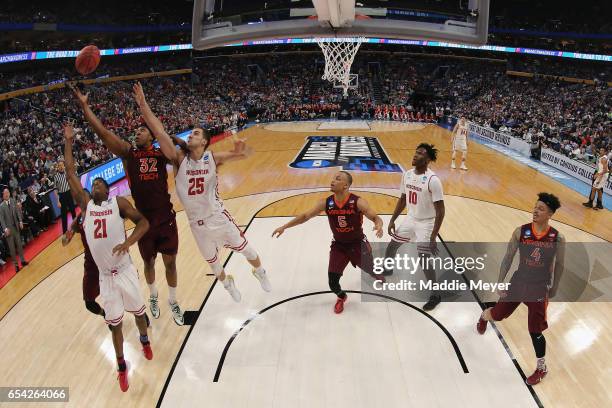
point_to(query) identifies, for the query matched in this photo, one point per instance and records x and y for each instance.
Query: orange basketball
(88, 59)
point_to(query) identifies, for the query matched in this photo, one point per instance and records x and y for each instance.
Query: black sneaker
(598, 207)
(434, 300)
(387, 272)
(588, 204)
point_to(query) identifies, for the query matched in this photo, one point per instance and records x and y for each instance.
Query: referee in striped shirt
(65, 198)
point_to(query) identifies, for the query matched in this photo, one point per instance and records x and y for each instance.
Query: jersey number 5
(196, 185)
(412, 197)
(100, 231)
(342, 221)
(148, 165)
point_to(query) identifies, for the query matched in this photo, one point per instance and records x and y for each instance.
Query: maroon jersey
(536, 255)
(89, 264)
(345, 219)
(148, 178)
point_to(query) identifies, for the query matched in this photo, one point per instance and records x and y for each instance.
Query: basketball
(88, 59)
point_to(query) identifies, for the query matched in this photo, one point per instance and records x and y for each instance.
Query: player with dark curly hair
(541, 265)
(422, 193)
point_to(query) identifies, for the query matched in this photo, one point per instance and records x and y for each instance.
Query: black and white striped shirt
(60, 182)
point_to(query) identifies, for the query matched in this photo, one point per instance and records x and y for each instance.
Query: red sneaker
(147, 351)
(339, 307)
(122, 376)
(481, 326)
(537, 376)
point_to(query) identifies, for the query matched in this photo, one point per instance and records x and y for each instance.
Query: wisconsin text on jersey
(351, 152)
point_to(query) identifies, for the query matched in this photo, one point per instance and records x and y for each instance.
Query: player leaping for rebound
(145, 167)
(459, 142)
(195, 170)
(345, 212)
(423, 191)
(104, 229)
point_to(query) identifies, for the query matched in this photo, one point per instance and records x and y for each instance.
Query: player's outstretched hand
(391, 228)
(68, 131)
(278, 232)
(82, 99)
(139, 94)
(378, 229)
(433, 246)
(121, 249)
(67, 237)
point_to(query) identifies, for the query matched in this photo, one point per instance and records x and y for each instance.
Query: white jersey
(462, 132)
(197, 187)
(104, 230)
(422, 190)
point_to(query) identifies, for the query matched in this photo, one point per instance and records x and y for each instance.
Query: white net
(339, 55)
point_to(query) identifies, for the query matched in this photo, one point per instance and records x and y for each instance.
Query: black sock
(121, 363)
(539, 344)
(334, 284)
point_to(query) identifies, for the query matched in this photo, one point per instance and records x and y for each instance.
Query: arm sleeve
(435, 186)
(403, 184)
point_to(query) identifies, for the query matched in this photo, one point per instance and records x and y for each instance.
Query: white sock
(152, 289)
(226, 282)
(541, 363)
(260, 270)
(171, 295)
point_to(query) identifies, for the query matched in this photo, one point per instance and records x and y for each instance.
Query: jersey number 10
(412, 197)
(196, 186)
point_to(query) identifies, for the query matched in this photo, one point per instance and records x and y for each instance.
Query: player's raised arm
(166, 144)
(114, 143)
(300, 219)
(559, 267)
(142, 225)
(241, 151)
(76, 190)
(510, 252)
(365, 208)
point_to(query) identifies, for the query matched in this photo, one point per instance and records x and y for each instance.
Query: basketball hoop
(339, 55)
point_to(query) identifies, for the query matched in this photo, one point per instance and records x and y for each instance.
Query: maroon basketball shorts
(91, 283)
(358, 253)
(536, 307)
(160, 238)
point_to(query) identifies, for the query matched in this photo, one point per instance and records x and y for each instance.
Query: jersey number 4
(148, 165)
(100, 231)
(196, 185)
(412, 197)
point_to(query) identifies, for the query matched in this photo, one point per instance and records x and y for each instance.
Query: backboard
(220, 22)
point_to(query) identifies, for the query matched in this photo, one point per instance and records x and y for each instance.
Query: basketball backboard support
(221, 22)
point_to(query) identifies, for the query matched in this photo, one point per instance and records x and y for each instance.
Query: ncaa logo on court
(357, 153)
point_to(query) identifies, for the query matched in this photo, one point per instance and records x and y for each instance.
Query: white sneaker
(263, 280)
(463, 166)
(154, 306)
(230, 286)
(177, 314)
(452, 165)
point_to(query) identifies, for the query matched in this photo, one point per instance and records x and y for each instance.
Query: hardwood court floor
(50, 339)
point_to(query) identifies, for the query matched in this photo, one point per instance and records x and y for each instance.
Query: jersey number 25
(196, 185)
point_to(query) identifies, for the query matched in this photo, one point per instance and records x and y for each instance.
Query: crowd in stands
(573, 118)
